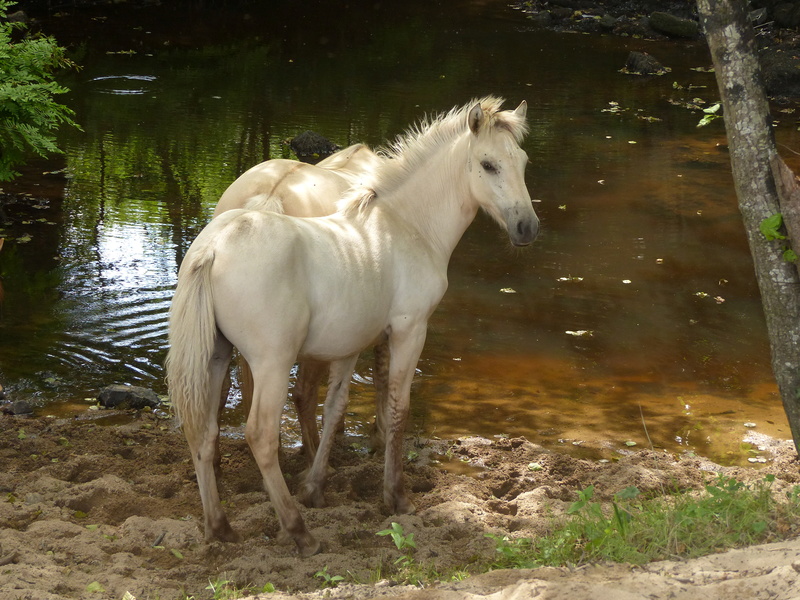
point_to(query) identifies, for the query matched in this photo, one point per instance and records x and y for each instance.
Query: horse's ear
(522, 109)
(475, 118)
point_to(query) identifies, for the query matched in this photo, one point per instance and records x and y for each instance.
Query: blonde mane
(413, 148)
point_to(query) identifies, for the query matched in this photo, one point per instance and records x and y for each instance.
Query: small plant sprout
(404, 542)
(328, 580)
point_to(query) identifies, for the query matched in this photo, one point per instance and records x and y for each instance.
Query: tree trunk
(764, 185)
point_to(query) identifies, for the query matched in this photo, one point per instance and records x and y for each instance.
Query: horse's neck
(435, 201)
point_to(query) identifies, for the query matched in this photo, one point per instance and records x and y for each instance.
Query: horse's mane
(412, 148)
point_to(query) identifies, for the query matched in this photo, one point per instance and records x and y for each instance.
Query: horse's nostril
(526, 232)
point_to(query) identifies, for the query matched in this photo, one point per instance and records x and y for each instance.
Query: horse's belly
(332, 340)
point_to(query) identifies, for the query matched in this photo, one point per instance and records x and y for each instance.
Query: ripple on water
(123, 85)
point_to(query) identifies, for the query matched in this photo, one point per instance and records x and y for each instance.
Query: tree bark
(764, 186)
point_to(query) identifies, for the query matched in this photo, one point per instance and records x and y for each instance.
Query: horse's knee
(263, 446)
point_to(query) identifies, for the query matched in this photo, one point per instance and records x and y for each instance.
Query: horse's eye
(488, 167)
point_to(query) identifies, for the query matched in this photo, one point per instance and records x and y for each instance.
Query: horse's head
(497, 170)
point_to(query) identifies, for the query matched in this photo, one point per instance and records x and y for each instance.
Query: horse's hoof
(406, 508)
(312, 496)
(309, 548)
(401, 505)
(313, 500)
(225, 533)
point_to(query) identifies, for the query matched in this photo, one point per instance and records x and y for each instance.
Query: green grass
(726, 514)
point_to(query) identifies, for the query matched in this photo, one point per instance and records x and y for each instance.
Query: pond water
(635, 317)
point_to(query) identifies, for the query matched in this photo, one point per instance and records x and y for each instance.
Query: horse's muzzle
(524, 232)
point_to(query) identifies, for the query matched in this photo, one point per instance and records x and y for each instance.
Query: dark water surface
(637, 303)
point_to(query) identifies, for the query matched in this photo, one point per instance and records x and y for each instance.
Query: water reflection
(642, 249)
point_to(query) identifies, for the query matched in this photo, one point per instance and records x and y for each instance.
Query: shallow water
(635, 316)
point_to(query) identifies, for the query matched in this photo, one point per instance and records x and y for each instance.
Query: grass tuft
(726, 514)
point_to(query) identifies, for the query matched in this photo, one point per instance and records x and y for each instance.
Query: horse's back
(303, 190)
(357, 159)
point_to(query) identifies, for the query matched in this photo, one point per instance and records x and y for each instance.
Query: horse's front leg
(405, 346)
(202, 435)
(262, 433)
(313, 488)
(304, 395)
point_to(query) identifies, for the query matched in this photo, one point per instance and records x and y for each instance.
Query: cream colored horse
(326, 288)
(303, 190)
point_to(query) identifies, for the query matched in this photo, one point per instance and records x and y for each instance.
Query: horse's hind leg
(313, 487)
(380, 379)
(262, 433)
(202, 435)
(223, 399)
(245, 383)
(304, 395)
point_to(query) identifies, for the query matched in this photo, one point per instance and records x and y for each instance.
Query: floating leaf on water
(631, 141)
(701, 294)
(562, 207)
(581, 333)
(749, 424)
(626, 281)
(601, 181)
(570, 278)
(757, 459)
(659, 261)
(630, 443)
(508, 290)
(24, 239)
(719, 299)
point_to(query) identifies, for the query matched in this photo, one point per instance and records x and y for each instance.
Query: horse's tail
(192, 335)
(266, 202)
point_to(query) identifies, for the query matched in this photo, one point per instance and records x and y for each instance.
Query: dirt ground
(93, 509)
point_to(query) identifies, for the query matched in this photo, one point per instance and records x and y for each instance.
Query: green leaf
(769, 227)
(95, 588)
(629, 493)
